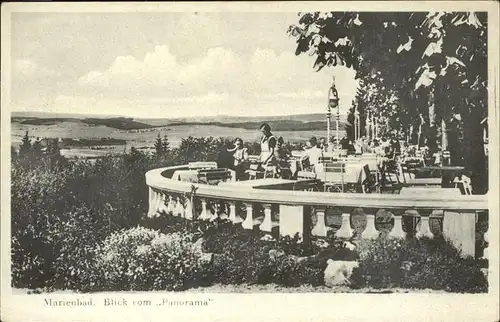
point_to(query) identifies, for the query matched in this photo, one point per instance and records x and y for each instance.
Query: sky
(166, 65)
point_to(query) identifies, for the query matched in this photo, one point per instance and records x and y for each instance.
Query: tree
(25, 148)
(37, 148)
(414, 54)
(165, 145)
(158, 146)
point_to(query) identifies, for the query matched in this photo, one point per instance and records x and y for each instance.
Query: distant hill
(277, 125)
(242, 119)
(120, 123)
(301, 122)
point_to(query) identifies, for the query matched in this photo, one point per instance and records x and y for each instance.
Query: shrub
(144, 259)
(418, 263)
(293, 273)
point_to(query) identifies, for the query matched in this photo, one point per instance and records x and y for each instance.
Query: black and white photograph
(185, 157)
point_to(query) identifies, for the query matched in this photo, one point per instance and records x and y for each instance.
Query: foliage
(434, 62)
(72, 228)
(144, 259)
(414, 263)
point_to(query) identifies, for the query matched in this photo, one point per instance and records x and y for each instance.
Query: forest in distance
(288, 123)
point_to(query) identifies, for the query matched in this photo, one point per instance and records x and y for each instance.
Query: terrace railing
(292, 212)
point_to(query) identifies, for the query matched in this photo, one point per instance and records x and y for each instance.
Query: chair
(420, 154)
(334, 177)
(465, 182)
(304, 175)
(256, 172)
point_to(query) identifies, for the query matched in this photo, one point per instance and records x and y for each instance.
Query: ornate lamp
(333, 102)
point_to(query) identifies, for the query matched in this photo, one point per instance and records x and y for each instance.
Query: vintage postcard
(250, 161)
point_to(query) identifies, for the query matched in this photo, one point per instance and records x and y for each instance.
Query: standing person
(267, 145)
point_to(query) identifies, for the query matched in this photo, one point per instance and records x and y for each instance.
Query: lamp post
(333, 102)
(357, 124)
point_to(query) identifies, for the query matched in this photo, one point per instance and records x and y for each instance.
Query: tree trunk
(474, 157)
(432, 134)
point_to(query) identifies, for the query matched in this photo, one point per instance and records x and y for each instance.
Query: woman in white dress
(267, 146)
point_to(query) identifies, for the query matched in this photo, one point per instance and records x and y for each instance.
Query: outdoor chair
(304, 175)
(258, 172)
(334, 177)
(325, 159)
(465, 182)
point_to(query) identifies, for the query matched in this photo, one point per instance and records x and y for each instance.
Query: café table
(447, 172)
(268, 183)
(186, 175)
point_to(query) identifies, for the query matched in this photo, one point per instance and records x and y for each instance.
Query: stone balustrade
(306, 212)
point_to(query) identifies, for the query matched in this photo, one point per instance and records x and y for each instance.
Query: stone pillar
(248, 222)
(153, 203)
(233, 215)
(170, 205)
(163, 203)
(179, 209)
(291, 220)
(424, 230)
(460, 229)
(345, 230)
(370, 231)
(267, 224)
(485, 251)
(204, 212)
(188, 210)
(320, 228)
(397, 231)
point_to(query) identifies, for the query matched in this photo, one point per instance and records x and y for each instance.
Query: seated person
(240, 158)
(282, 159)
(312, 154)
(322, 144)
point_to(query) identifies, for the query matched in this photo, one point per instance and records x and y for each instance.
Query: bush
(144, 259)
(418, 263)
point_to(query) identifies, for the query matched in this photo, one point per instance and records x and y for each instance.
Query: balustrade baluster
(179, 209)
(188, 209)
(215, 213)
(152, 202)
(233, 215)
(345, 230)
(320, 228)
(223, 211)
(204, 212)
(370, 231)
(424, 230)
(267, 224)
(486, 240)
(170, 205)
(248, 222)
(163, 200)
(157, 203)
(397, 230)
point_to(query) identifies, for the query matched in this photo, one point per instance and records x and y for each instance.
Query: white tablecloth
(353, 173)
(186, 175)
